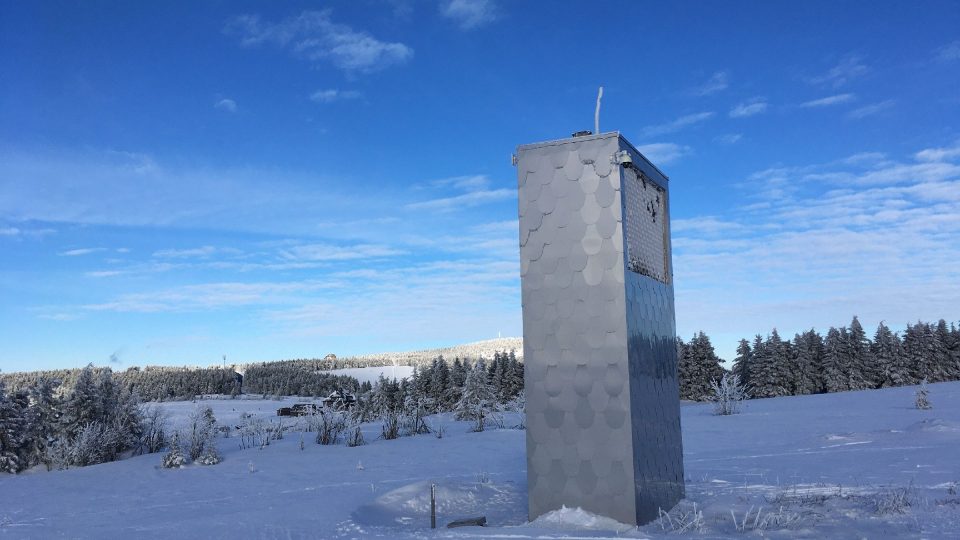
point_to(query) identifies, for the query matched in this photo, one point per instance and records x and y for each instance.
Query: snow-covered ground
(849, 465)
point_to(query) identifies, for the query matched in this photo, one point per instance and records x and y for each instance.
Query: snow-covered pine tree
(770, 374)
(888, 354)
(702, 367)
(42, 421)
(13, 433)
(439, 382)
(741, 365)
(862, 371)
(918, 349)
(174, 458)
(684, 369)
(478, 401)
(514, 375)
(83, 404)
(835, 361)
(808, 354)
(922, 399)
(944, 367)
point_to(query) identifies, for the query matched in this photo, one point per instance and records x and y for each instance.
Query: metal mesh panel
(645, 204)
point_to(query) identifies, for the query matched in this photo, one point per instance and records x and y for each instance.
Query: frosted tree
(771, 376)
(808, 360)
(174, 458)
(741, 365)
(12, 433)
(835, 361)
(439, 382)
(83, 405)
(728, 394)
(41, 419)
(888, 353)
(862, 370)
(921, 399)
(514, 377)
(918, 348)
(201, 434)
(478, 401)
(945, 367)
(698, 367)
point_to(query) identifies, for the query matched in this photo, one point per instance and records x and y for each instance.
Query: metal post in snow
(433, 506)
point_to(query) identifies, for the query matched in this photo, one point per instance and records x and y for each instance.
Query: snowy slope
(474, 350)
(831, 466)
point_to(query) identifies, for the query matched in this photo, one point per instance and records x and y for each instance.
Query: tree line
(845, 359)
(95, 421)
(151, 383)
(472, 390)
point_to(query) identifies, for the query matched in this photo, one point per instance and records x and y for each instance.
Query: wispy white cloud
(829, 100)
(939, 154)
(81, 251)
(212, 296)
(200, 252)
(720, 80)
(466, 200)
(676, 125)
(94, 187)
(729, 138)
(752, 107)
(664, 153)
(29, 232)
(333, 94)
(477, 188)
(867, 235)
(469, 14)
(468, 183)
(314, 36)
(226, 104)
(104, 273)
(949, 52)
(849, 68)
(330, 252)
(871, 109)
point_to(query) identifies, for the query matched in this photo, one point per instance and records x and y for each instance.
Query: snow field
(847, 465)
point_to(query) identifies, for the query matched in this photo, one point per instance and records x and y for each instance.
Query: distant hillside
(473, 351)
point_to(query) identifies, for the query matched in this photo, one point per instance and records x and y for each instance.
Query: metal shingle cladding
(603, 408)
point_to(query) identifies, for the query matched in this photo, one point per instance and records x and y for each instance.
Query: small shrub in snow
(518, 406)
(438, 428)
(202, 433)
(355, 438)
(174, 458)
(390, 428)
(893, 501)
(681, 520)
(210, 456)
(922, 401)
(153, 436)
(759, 522)
(332, 425)
(728, 394)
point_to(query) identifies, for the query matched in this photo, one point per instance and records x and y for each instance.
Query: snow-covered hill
(848, 465)
(477, 349)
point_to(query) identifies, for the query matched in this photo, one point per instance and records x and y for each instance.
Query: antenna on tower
(596, 114)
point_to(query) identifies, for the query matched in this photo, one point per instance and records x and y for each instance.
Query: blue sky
(181, 181)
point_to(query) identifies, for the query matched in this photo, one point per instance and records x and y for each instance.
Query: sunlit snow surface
(826, 466)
